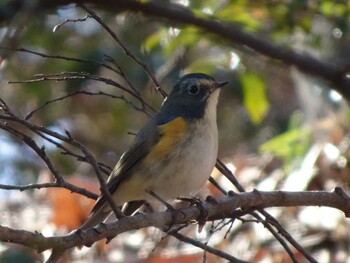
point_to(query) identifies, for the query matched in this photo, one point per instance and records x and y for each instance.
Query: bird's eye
(193, 89)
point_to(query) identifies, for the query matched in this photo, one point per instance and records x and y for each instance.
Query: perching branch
(222, 208)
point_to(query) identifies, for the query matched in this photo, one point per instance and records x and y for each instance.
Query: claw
(203, 212)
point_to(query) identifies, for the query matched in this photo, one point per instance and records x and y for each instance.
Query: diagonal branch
(232, 33)
(205, 247)
(125, 49)
(269, 219)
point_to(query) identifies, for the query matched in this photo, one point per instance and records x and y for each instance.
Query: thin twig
(40, 151)
(205, 247)
(83, 92)
(256, 215)
(104, 168)
(118, 71)
(125, 49)
(104, 189)
(270, 219)
(56, 27)
(66, 185)
(63, 76)
(80, 60)
(121, 72)
(40, 130)
(234, 35)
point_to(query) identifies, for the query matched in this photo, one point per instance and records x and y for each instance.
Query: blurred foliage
(289, 145)
(254, 112)
(254, 87)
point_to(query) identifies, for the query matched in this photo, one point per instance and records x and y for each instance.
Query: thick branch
(176, 15)
(220, 209)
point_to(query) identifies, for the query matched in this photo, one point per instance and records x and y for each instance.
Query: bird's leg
(161, 200)
(203, 212)
(169, 208)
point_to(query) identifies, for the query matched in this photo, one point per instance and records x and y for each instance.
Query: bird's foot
(203, 212)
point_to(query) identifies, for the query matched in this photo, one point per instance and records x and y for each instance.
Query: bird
(174, 153)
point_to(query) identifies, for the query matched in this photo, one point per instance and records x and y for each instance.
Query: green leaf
(187, 37)
(254, 97)
(289, 144)
(327, 8)
(206, 64)
(154, 40)
(240, 12)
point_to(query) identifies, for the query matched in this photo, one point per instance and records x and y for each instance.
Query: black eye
(193, 89)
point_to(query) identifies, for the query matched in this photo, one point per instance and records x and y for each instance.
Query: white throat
(210, 110)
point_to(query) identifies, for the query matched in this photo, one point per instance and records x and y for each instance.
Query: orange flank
(172, 133)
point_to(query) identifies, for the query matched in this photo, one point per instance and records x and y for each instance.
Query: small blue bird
(174, 154)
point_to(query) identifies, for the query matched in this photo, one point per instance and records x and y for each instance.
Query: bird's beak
(221, 84)
(218, 85)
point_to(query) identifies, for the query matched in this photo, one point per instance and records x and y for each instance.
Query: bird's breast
(186, 161)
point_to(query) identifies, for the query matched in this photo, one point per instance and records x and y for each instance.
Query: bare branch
(66, 185)
(60, 182)
(125, 49)
(83, 92)
(205, 247)
(270, 220)
(69, 21)
(81, 75)
(223, 208)
(42, 131)
(63, 76)
(40, 151)
(80, 60)
(226, 207)
(179, 15)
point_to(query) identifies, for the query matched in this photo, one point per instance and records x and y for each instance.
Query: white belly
(190, 167)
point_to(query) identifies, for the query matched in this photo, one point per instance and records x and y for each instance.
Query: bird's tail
(103, 212)
(96, 217)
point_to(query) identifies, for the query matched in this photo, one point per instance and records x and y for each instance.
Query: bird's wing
(138, 150)
(150, 137)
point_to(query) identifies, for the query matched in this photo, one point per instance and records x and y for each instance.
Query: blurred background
(279, 128)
